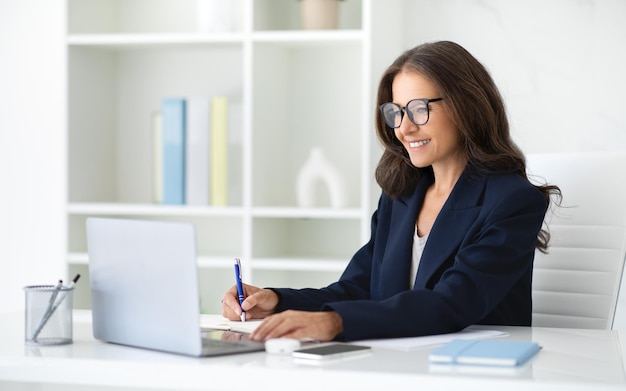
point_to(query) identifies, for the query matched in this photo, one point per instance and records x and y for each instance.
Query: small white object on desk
(281, 345)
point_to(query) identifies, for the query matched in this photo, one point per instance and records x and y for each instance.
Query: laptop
(145, 290)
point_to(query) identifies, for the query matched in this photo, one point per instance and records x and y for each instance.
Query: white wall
(560, 64)
(32, 147)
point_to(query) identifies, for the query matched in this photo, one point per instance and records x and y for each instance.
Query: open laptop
(145, 290)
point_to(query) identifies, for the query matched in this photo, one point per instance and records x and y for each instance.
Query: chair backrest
(577, 283)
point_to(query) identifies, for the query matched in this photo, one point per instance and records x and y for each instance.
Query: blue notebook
(174, 140)
(484, 352)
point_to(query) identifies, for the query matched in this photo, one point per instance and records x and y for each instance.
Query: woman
(457, 224)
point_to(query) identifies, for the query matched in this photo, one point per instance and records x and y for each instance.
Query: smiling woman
(454, 236)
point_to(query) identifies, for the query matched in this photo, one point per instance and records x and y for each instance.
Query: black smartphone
(331, 350)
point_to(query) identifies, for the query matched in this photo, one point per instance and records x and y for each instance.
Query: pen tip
(76, 278)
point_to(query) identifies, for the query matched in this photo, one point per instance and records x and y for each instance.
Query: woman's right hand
(258, 304)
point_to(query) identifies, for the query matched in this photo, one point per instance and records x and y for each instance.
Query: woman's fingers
(321, 326)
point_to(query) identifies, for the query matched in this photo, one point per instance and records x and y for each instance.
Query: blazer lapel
(397, 265)
(451, 226)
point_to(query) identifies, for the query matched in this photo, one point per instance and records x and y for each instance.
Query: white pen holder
(48, 315)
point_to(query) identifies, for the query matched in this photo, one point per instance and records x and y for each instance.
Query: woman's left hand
(319, 326)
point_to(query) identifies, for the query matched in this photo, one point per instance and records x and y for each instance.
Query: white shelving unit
(289, 90)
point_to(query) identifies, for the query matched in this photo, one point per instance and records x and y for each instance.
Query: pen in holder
(48, 314)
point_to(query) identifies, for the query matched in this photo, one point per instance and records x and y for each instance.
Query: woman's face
(435, 142)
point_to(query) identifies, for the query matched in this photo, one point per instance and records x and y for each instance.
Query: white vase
(318, 171)
(216, 16)
(320, 14)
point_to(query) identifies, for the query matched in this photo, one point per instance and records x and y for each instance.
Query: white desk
(570, 360)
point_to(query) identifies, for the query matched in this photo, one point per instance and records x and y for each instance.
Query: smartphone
(330, 351)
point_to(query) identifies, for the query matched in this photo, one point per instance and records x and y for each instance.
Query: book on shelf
(173, 112)
(190, 151)
(219, 151)
(157, 157)
(197, 151)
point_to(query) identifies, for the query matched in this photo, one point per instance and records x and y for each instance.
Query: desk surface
(570, 359)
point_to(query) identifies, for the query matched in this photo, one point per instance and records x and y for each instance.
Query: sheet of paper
(413, 343)
(221, 323)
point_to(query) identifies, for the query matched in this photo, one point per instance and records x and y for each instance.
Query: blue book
(173, 112)
(484, 352)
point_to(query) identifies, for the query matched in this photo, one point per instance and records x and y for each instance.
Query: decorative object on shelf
(217, 16)
(320, 14)
(315, 171)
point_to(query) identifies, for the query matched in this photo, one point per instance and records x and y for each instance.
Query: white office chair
(577, 283)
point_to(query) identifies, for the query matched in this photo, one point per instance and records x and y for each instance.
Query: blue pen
(239, 282)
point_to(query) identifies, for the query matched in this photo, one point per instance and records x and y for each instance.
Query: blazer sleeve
(354, 283)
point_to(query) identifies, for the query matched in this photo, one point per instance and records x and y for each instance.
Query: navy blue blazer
(476, 267)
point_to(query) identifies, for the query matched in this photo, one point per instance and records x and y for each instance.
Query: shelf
(291, 264)
(121, 41)
(103, 209)
(325, 37)
(134, 41)
(79, 258)
(152, 210)
(311, 213)
(300, 264)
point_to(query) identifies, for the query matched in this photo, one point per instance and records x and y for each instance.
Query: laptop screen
(144, 284)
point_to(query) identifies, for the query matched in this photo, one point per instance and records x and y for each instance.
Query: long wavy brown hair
(475, 106)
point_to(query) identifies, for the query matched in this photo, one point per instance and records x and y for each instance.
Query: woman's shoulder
(513, 180)
(512, 184)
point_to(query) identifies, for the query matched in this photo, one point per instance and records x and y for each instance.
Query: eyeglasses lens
(392, 113)
(416, 109)
(418, 112)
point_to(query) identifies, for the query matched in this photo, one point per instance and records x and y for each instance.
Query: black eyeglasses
(417, 110)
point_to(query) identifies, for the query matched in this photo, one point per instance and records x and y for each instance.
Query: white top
(418, 248)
